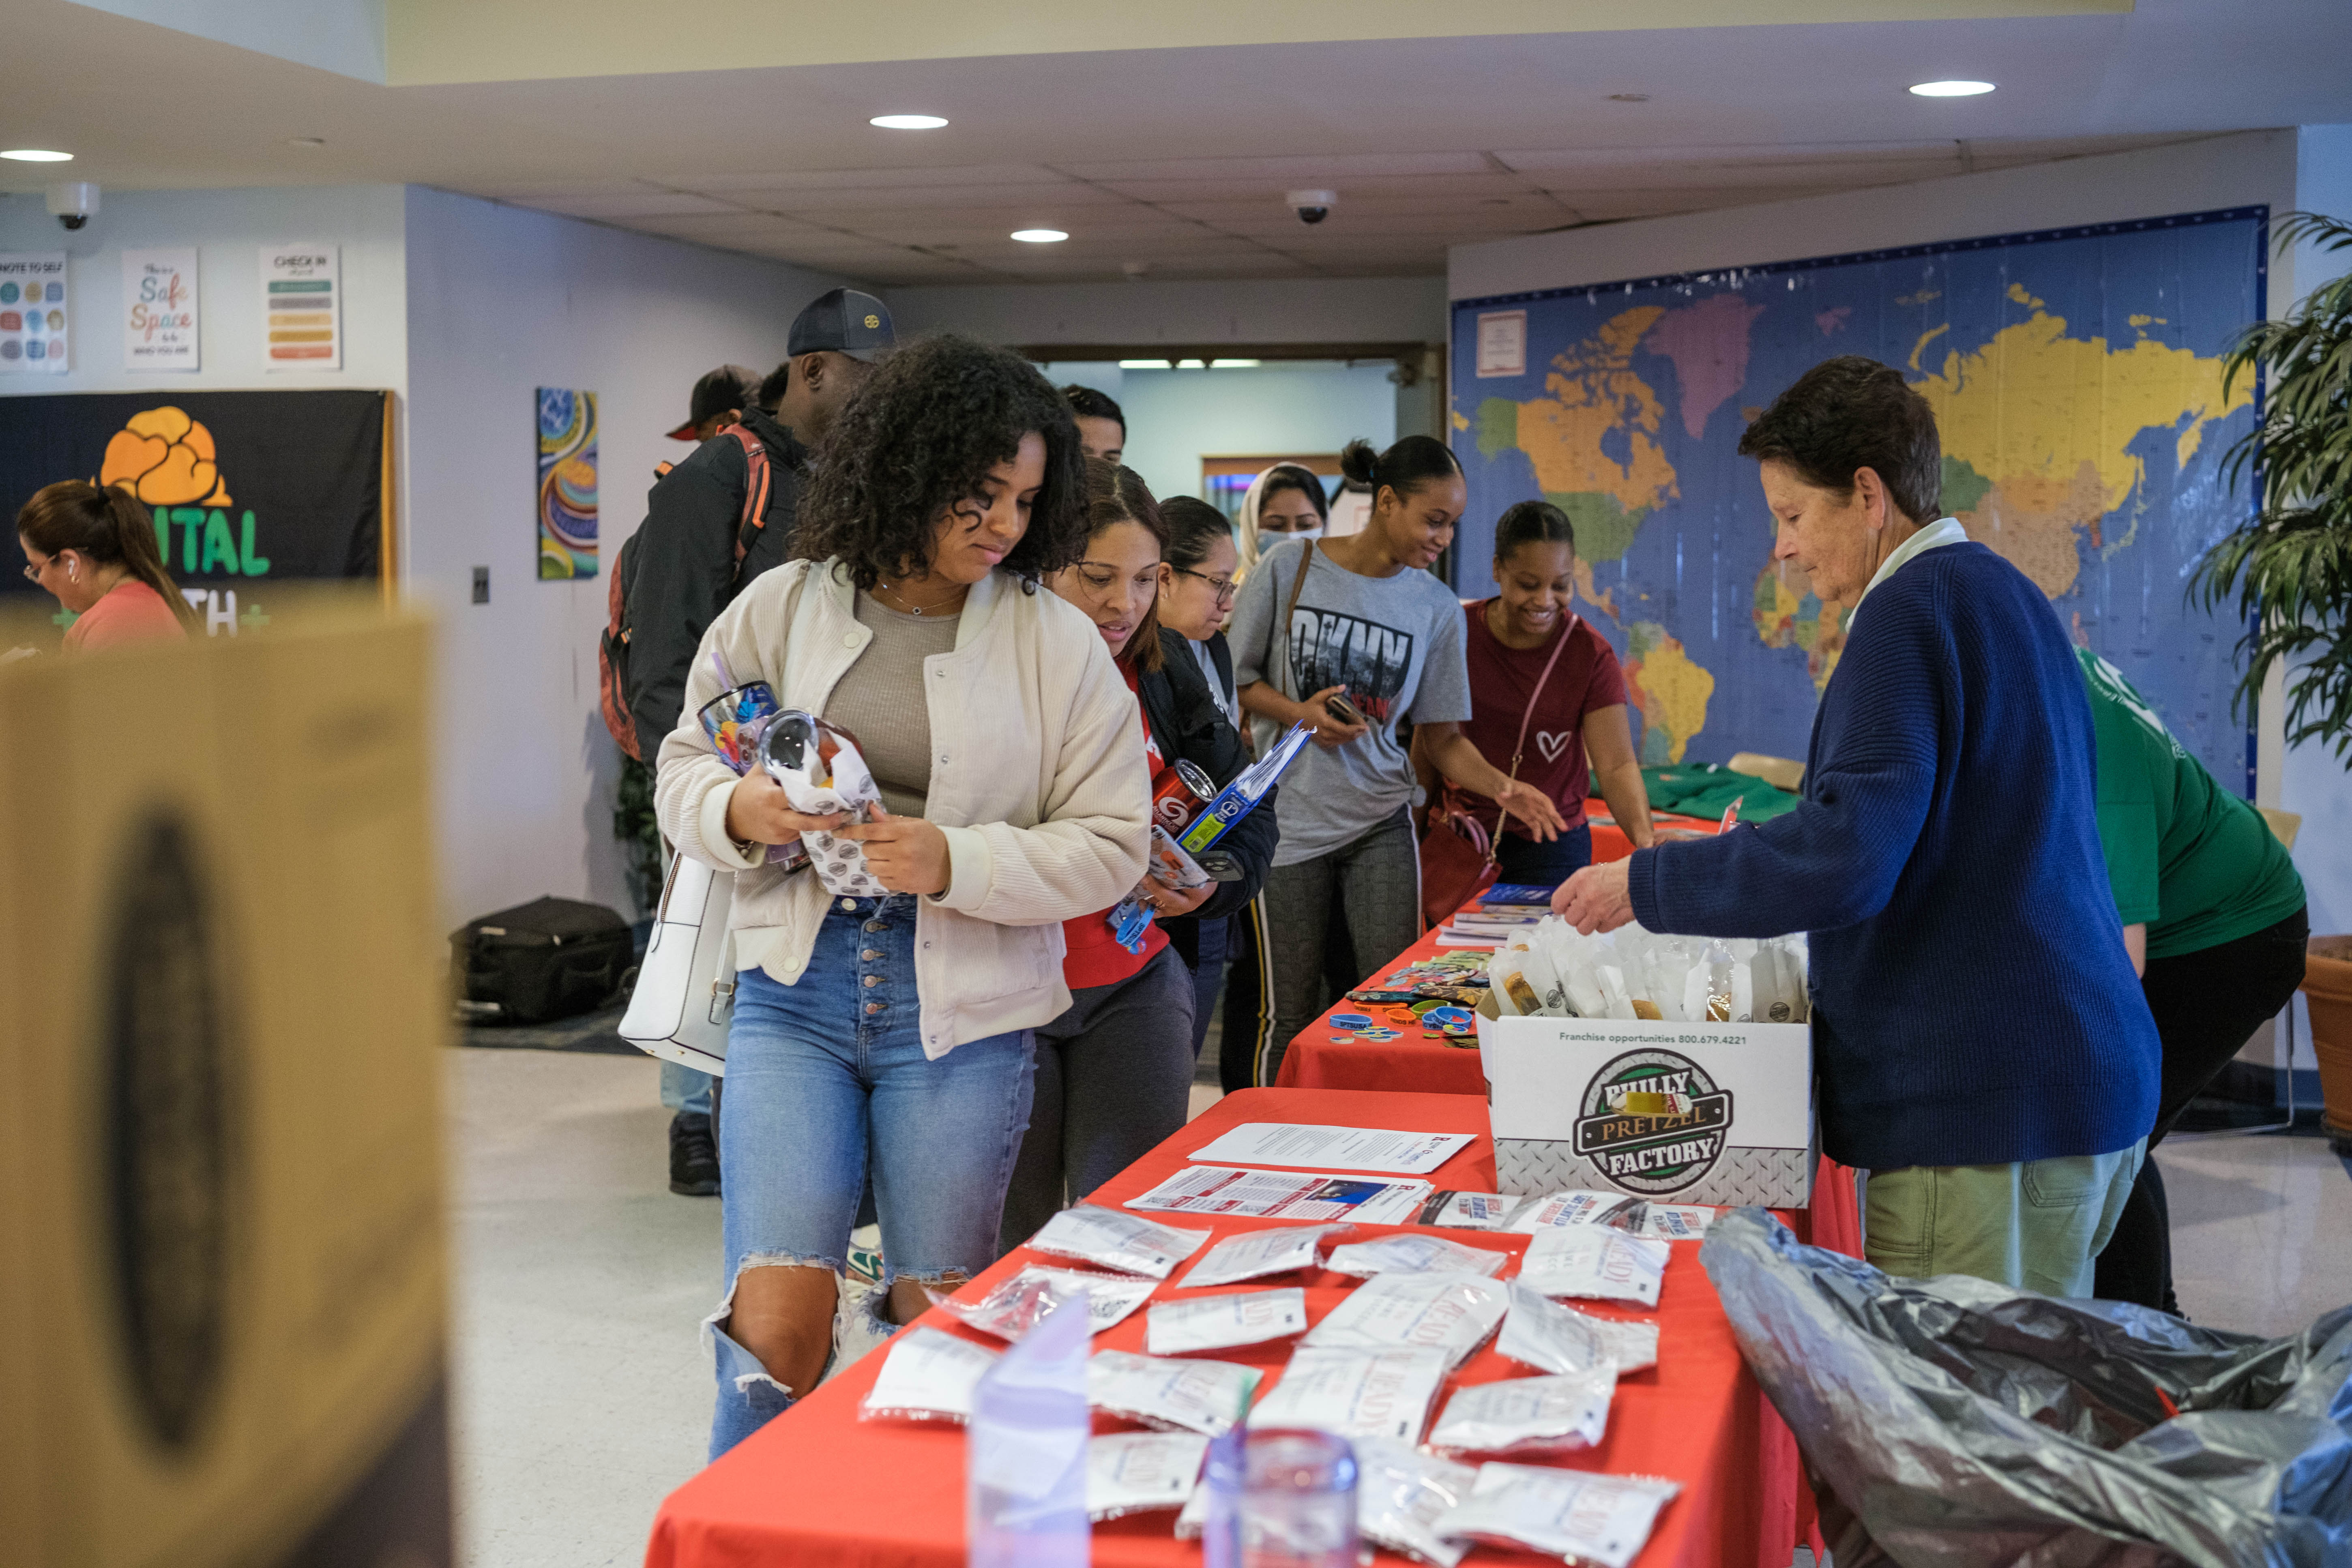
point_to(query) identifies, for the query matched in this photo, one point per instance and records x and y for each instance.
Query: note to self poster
(159, 306)
(33, 312)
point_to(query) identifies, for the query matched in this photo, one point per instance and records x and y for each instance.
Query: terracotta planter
(2328, 987)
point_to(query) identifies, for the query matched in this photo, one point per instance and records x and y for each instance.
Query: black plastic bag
(1965, 1425)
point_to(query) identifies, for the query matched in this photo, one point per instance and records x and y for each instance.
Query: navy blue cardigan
(1973, 1004)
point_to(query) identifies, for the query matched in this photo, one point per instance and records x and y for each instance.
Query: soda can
(1175, 803)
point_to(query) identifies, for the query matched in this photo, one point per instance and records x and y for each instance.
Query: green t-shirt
(2195, 864)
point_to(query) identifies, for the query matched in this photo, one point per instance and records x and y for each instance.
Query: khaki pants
(2038, 1225)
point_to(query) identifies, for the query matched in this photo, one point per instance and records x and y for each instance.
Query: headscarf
(1245, 544)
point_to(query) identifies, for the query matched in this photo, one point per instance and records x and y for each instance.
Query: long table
(818, 1486)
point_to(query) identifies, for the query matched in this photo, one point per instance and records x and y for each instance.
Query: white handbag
(686, 987)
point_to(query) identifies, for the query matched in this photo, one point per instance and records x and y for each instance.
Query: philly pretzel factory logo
(1653, 1121)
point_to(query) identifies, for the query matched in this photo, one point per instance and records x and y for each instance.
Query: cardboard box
(222, 1286)
(1740, 1129)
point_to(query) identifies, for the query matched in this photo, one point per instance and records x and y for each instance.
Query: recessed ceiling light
(1951, 89)
(1190, 364)
(38, 155)
(307, 141)
(1144, 364)
(909, 122)
(1039, 235)
(1232, 364)
(1629, 98)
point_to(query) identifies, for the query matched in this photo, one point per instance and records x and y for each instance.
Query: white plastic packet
(1541, 1333)
(1555, 1415)
(928, 1376)
(1595, 1262)
(1013, 1307)
(1577, 1207)
(1674, 1222)
(1254, 1254)
(1514, 988)
(1544, 1334)
(1355, 1393)
(1452, 1312)
(1171, 1394)
(1410, 1253)
(820, 771)
(1469, 1211)
(1111, 1239)
(1572, 1514)
(1216, 1322)
(1132, 1472)
(1400, 1494)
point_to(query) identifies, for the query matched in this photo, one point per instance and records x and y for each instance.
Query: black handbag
(551, 958)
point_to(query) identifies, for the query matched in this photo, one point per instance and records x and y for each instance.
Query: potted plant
(2286, 571)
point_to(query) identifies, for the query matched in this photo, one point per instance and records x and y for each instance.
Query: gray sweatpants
(1365, 894)
(1114, 1081)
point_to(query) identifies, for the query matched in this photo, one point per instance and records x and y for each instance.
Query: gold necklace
(914, 609)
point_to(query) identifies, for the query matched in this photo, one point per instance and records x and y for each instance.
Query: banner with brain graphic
(247, 488)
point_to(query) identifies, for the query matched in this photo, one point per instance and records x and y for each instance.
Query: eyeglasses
(33, 573)
(1223, 587)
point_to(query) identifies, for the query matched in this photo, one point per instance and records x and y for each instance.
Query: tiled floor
(584, 1395)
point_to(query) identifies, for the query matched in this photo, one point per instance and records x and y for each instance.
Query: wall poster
(33, 313)
(301, 307)
(158, 309)
(567, 483)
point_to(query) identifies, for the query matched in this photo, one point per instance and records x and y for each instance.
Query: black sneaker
(693, 1156)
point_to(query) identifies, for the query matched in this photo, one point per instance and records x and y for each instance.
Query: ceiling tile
(1064, 193)
(720, 225)
(1490, 182)
(649, 204)
(872, 179)
(1308, 170)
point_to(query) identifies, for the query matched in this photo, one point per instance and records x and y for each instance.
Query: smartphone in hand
(1345, 711)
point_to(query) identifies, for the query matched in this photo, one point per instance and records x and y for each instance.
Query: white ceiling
(1177, 159)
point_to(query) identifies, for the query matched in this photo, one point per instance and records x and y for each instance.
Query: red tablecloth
(817, 1486)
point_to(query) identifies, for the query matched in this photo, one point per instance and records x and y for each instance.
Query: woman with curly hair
(889, 1038)
(1115, 1072)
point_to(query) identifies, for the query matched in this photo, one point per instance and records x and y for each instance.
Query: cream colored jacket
(1038, 780)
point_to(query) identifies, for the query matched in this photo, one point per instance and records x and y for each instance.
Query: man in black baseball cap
(833, 344)
(719, 398)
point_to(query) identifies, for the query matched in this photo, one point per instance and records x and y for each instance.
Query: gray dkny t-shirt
(1396, 642)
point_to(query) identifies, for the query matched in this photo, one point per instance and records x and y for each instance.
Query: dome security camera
(1312, 206)
(71, 203)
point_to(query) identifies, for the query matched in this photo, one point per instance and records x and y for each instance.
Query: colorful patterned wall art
(567, 483)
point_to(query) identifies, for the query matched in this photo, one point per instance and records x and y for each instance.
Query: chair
(2284, 824)
(1782, 773)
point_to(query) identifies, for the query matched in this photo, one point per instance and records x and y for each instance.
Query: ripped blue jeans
(827, 1082)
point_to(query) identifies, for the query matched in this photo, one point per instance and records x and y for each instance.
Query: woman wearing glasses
(1196, 597)
(1114, 1074)
(94, 551)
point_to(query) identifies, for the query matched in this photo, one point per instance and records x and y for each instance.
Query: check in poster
(301, 307)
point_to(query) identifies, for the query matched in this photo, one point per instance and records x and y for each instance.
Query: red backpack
(612, 645)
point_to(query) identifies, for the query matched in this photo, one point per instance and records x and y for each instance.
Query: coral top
(130, 612)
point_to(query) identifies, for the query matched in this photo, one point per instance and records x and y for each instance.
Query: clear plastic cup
(1299, 1501)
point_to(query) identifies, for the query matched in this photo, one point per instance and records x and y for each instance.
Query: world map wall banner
(248, 489)
(2076, 380)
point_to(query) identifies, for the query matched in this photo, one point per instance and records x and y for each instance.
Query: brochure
(1349, 1148)
(1285, 1195)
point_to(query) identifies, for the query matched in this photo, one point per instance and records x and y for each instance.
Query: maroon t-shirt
(1586, 678)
